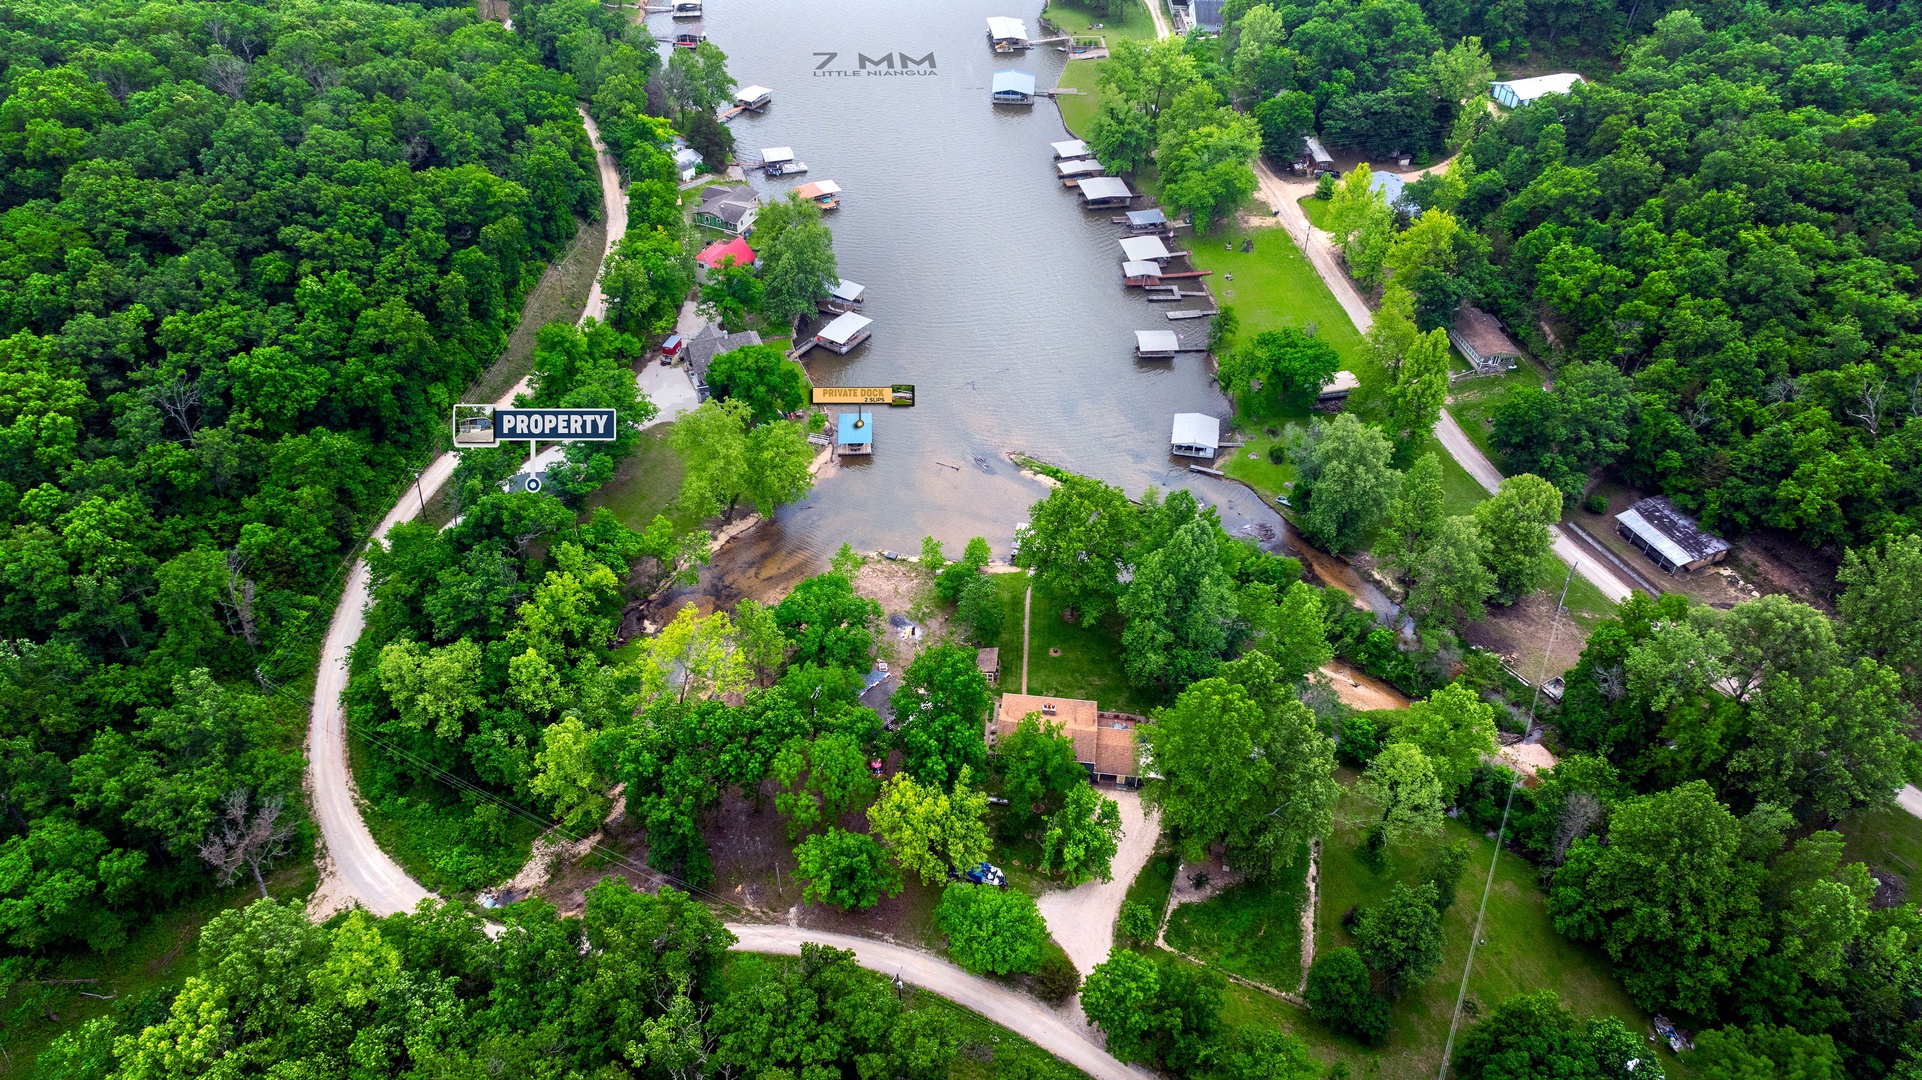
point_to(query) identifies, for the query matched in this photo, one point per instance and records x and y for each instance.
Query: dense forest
(250, 254)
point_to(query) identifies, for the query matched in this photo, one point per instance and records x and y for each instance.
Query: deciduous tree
(992, 931)
(847, 870)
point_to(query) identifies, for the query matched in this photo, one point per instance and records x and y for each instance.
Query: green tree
(1138, 922)
(761, 376)
(1534, 1035)
(1517, 524)
(847, 870)
(1421, 386)
(1292, 632)
(1827, 746)
(647, 276)
(1881, 604)
(567, 775)
(1452, 581)
(1351, 484)
(928, 830)
(828, 623)
(1082, 836)
(1401, 937)
(1455, 729)
(1445, 870)
(1762, 1052)
(1291, 362)
(1565, 433)
(940, 710)
(779, 465)
(1166, 1015)
(1285, 119)
(694, 655)
(1401, 782)
(821, 780)
(1178, 608)
(1075, 544)
(712, 440)
(1415, 516)
(1340, 996)
(991, 931)
(1038, 770)
(732, 294)
(797, 258)
(981, 609)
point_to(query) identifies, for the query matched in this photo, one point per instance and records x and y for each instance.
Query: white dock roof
(847, 290)
(1197, 429)
(1017, 82)
(843, 329)
(1104, 187)
(1079, 167)
(1073, 148)
(1140, 269)
(1141, 248)
(1157, 341)
(1002, 28)
(774, 154)
(748, 95)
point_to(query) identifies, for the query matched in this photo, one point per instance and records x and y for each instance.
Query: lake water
(991, 290)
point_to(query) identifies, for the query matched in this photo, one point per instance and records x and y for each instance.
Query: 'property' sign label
(485, 425)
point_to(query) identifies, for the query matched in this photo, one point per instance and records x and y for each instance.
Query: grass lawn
(1251, 466)
(1316, 211)
(1473, 403)
(1252, 929)
(1889, 840)
(1089, 666)
(1078, 110)
(648, 483)
(1156, 880)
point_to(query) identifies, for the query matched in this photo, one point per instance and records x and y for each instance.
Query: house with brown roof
(988, 663)
(1482, 342)
(1104, 742)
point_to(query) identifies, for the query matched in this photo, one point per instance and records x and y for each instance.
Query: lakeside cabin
(687, 161)
(1196, 435)
(779, 161)
(753, 98)
(1156, 344)
(1071, 149)
(1012, 88)
(689, 36)
(1668, 536)
(825, 194)
(1515, 93)
(854, 435)
(844, 296)
(1146, 249)
(729, 209)
(1007, 35)
(1104, 742)
(720, 252)
(1482, 343)
(1073, 172)
(687, 9)
(844, 333)
(1105, 193)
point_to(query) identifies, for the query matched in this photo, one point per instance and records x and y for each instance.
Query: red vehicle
(876, 767)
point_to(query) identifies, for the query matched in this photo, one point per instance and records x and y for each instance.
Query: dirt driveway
(1082, 919)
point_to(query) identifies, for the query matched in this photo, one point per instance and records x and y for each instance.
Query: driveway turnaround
(1082, 919)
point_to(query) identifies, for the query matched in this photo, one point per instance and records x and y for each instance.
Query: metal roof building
(854, 433)
(845, 332)
(1073, 148)
(1157, 344)
(1668, 536)
(1146, 219)
(1196, 435)
(1517, 92)
(1144, 249)
(1012, 88)
(1079, 167)
(1105, 191)
(753, 97)
(1004, 32)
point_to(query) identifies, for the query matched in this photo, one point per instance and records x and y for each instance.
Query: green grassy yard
(1316, 211)
(1252, 929)
(1889, 840)
(1473, 403)
(1250, 465)
(648, 483)
(1089, 666)
(1078, 110)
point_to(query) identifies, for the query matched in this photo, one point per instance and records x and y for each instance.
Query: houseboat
(689, 36)
(825, 194)
(1105, 193)
(687, 9)
(1071, 149)
(779, 161)
(844, 296)
(1013, 88)
(1073, 172)
(844, 333)
(854, 434)
(1196, 435)
(753, 98)
(1156, 344)
(1007, 35)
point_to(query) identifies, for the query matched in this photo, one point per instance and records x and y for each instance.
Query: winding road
(354, 871)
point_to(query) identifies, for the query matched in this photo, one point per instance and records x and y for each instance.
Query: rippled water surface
(991, 289)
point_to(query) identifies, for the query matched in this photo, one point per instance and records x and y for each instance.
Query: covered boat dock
(1007, 35)
(844, 333)
(854, 434)
(1156, 344)
(1196, 435)
(1071, 149)
(1012, 88)
(1105, 193)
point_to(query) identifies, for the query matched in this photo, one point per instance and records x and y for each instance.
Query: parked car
(980, 874)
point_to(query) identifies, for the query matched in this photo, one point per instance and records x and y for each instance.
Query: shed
(1100, 192)
(988, 663)
(1007, 35)
(1147, 220)
(1071, 149)
(844, 333)
(1156, 344)
(687, 161)
(753, 97)
(1668, 536)
(1144, 249)
(1515, 93)
(720, 251)
(1196, 435)
(1104, 742)
(1141, 273)
(1079, 169)
(1339, 387)
(854, 434)
(1012, 88)
(825, 194)
(1318, 159)
(1480, 338)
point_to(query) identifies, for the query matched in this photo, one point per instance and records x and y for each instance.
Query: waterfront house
(711, 342)
(844, 333)
(844, 296)
(729, 209)
(1007, 35)
(1071, 149)
(1196, 435)
(1104, 742)
(825, 194)
(1479, 337)
(1012, 88)
(1515, 93)
(854, 434)
(753, 98)
(1668, 536)
(1145, 249)
(687, 161)
(1073, 172)
(715, 255)
(1156, 344)
(1104, 193)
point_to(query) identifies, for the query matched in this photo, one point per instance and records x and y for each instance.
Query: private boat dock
(854, 434)
(779, 161)
(1105, 193)
(1013, 88)
(845, 333)
(1007, 35)
(754, 99)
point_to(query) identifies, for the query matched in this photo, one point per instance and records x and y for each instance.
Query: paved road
(1082, 919)
(1018, 1013)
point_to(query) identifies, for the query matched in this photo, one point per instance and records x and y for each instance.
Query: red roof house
(713, 255)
